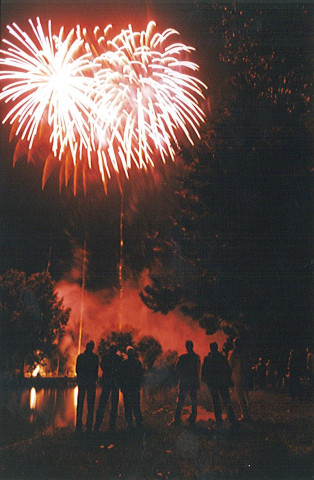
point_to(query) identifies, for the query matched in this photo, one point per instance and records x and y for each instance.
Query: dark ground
(278, 444)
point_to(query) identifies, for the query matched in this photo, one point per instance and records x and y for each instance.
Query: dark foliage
(238, 254)
(32, 318)
(149, 349)
(121, 339)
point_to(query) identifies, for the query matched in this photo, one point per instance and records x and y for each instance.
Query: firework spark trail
(151, 95)
(111, 103)
(48, 82)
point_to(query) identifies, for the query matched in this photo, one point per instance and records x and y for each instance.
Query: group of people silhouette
(217, 372)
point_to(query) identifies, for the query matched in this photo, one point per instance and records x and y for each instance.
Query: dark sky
(35, 222)
(37, 225)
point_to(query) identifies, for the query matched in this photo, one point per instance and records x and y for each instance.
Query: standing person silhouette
(216, 373)
(260, 374)
(87, 375)
(111, 366)
(131, 381)
(188, 371)
(240, 376)
(296, 367)
(310, 370)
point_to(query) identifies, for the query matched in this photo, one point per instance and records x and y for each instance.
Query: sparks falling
(151, 96)
(107, 104)
(47, 84)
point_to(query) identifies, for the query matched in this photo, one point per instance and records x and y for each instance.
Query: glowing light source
(32, 398)
(150, 96)
(48, 83)
(35, 372)
(75, 396)
(105, 104)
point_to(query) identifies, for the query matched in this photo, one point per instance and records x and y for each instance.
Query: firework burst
(106, 103)
(47, 83)
(151, 96)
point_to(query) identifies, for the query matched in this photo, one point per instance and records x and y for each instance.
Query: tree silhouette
(239, 251)
(149, 349)
(32, 318)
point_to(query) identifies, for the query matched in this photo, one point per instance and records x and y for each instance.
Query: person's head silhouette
(113, 349)
(130, 352)
(213, 347)
(237, 343)
(189, 346)
(90, 346)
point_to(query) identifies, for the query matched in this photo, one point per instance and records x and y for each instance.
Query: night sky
(40, 226)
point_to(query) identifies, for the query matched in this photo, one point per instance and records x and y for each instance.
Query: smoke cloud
(103, 312)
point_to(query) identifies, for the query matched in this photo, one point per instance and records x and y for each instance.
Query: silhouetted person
(295, 370)
(240, 376)
(131, 377)
(87, 375)
(270, 373)
(216, 373)
(260, 376)
(188, 371)
(310, 370)
(110, 365)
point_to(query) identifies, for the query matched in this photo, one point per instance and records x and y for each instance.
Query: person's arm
(226, 370)
(140, 372)
(121, 376)
(103, 364)
(207, 370)
(78, 366)
(198, 364)
(178, 368)
(96, 365)
(230, 360)
(118, 373)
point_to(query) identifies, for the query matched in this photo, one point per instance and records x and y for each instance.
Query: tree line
(33, 320)
(236, 252)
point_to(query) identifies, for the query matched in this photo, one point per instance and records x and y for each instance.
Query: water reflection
(48, 406)
(32, 398)
(75, 395)
(51, 407)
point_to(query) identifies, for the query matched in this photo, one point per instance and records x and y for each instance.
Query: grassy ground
(278, 444)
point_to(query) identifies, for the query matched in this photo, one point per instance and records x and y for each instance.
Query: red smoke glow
(102, 315)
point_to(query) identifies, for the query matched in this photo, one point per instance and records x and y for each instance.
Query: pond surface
(52, 406)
